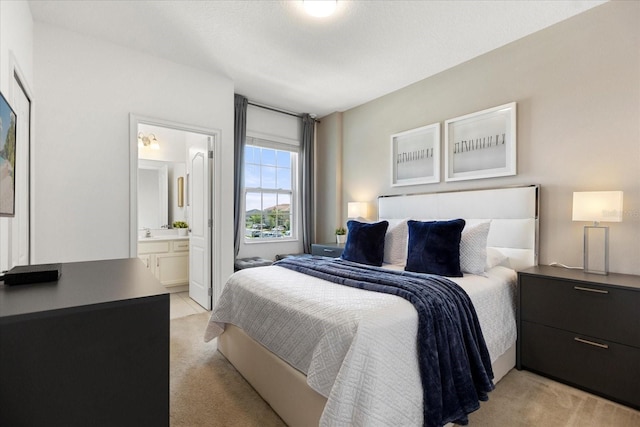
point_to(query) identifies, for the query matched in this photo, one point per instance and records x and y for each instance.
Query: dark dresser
(581, 329)
(333, 250)
(89, 350)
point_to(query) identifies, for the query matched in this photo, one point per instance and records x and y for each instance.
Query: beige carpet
(205, 390)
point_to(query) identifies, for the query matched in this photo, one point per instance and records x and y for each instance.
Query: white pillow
(495, 257)
(473, 248)
(395, 244)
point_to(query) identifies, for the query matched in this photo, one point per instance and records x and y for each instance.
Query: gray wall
(329, 177)
(577, 87)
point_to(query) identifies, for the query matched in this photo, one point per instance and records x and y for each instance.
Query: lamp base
(596, 249)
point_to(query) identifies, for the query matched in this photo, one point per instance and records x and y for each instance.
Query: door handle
(188, 198)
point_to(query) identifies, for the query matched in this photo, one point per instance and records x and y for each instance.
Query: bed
(336, 355)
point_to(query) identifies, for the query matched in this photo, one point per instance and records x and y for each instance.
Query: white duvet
(357, 348)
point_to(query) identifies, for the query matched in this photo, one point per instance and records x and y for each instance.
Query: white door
(199, 205)
(20, 223)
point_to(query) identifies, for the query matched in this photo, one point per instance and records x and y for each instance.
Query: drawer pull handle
(597, 291)
(328, 250)
(595, 344)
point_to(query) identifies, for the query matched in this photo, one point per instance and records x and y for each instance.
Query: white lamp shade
(357, 210)
(597, 206)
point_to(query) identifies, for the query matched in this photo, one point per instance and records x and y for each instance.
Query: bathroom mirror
(153, 194)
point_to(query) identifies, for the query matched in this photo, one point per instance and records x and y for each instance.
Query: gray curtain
(306, 192)
(239, 137)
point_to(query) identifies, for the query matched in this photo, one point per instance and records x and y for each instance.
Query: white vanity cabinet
(167, 259)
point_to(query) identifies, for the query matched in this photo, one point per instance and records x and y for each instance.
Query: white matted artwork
(481, 144)
(415, 156)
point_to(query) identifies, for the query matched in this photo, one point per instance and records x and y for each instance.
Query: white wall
(16, 36)
(577, 85)
(16, 52)
(86, 90)
(277, 127)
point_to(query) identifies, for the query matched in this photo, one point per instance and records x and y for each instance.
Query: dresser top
(81, 284)
(611, 279)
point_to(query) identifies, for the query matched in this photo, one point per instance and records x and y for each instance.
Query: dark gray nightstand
(333, 250)
(581, 329)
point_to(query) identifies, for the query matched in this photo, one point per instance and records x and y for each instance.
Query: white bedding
(357, 348)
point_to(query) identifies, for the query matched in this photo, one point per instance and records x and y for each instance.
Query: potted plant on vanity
(341, 235)
(181, 226)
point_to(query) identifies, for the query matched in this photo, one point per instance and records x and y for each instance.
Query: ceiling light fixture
(320, 8)
(148, 141)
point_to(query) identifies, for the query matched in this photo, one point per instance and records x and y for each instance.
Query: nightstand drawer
(580, 360)
(328, 250)
(581, 307)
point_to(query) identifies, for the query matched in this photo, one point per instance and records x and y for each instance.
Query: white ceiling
(276, 55)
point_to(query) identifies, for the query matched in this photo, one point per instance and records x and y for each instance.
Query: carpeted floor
(205, 390)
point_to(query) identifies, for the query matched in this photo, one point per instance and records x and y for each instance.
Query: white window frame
(283, 144)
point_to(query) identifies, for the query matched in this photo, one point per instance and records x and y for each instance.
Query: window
(269, 180)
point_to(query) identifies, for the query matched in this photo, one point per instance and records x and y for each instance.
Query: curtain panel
(239, 137)
(306, 190)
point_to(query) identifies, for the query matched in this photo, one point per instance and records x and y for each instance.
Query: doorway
(15, 249)
(172, 169)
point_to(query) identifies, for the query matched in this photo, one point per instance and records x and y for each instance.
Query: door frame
(215, 184)
(19, 82)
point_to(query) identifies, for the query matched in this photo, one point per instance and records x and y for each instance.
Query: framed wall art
(481, 145)
(8, 135)
(415, 156)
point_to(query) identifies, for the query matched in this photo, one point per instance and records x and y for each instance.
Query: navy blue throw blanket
(454, 362)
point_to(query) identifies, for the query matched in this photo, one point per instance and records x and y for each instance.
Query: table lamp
(357, 210)
(597, 207)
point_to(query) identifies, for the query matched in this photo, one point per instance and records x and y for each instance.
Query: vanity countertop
(161, 238)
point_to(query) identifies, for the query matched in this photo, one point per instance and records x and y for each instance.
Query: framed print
(7, 158)
(415, 156)
(481, 145)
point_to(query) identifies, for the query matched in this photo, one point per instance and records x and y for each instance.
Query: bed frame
(514, 230)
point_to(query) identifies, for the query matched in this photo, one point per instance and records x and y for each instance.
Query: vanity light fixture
(596, 207)
(319, 8)
(148, 141)
(180, 191)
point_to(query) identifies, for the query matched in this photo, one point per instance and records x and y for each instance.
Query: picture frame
(8, 134)
(481, 144)
(415, 156)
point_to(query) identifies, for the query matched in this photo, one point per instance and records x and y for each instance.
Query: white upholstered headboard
(513, 212)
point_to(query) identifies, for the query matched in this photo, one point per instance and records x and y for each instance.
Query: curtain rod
(279, 111)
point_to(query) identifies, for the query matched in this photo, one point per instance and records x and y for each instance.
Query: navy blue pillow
(365, 242)
(434, 247)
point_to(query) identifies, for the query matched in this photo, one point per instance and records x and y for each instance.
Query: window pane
(283, 179)
(284, 159)
(269, 202)
(268, 177)
(251, 154)
(268, 157)
(253, 202)
(252, 176)
(254, 222)
(283, 218)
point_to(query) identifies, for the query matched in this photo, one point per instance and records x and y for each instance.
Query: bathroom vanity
(167, 257)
